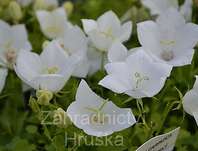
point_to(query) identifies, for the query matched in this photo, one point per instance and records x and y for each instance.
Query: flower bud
(15, 11)
(68, 6)
(60, 118)
(44, 97)
(34, 106)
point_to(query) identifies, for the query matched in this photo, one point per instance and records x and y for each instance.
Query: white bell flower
(53, 23)
(106, 30)
(138, 76)
(12, 40)
(96, 116)
(3, 75)
(190, 102)
(158, 7)
(73, 42)
(170, 39)
(49, 71)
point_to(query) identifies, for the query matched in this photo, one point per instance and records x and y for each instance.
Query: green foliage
(20, 120)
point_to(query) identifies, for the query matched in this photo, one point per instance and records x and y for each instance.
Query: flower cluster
(166, 42)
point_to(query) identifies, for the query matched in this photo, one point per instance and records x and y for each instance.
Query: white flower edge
(9, 38)
(121, 75)
(3, 75)
(107, 29)
(53, 23)
(150, 35)
(157, 7)
(86, 98)
(190, 102)
(31, 68)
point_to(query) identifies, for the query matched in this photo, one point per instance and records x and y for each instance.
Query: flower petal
(115, 83)
(3, 75)
(74, 40)
(53, 24)
(171, 18)
(190, 102)
(126, 31)
(86, 95)
(117, 52)
(82, 68)
(183, 57)
(53, 83)
(89, 25)
(20, 42)
(157, 7)
(109, 21)
(149, 37)
(28, 66)
(119, 118)
(101, 41)
(54, 56)
(186, 37)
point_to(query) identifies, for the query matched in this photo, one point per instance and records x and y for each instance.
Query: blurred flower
(11, 43)
(45, 4)
(96, 116)
(190, 102)
(3, 75)
(53, 24)
(170, 39)
(68, 6)
(49, 71)
(158, 7)
(138, 76)
(106, 30)
(24, 3)
(15, 11)
(73, 42)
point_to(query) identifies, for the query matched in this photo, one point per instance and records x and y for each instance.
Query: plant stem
(102, 61)
(140, 107)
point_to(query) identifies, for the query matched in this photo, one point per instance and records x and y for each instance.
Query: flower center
(167, 42)
(98, 118)
(10, 55)
(167, 55)
(52, 70)
(139, 79)
(108, 33)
